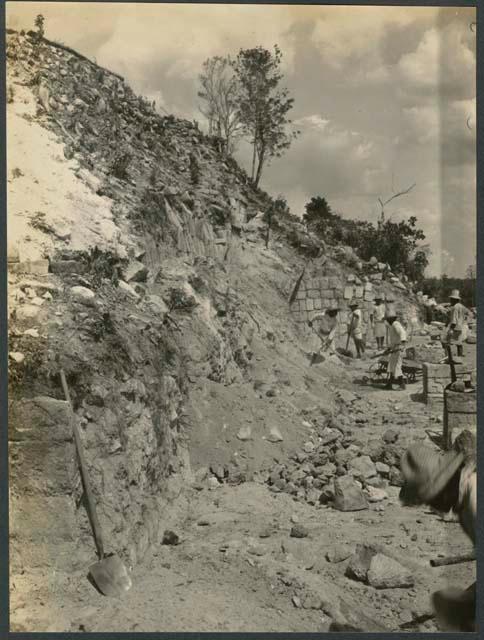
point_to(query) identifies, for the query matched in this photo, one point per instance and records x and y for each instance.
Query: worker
(389, 301)
(397, 338)
(355, 327)
(445, 482)
(379, 321)
(456, 330)
(325, 326)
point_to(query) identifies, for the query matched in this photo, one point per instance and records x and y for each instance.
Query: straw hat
(426, 473)
(455, 295)
(333, 307)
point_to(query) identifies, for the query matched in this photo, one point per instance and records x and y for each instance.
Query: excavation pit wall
(136, 460)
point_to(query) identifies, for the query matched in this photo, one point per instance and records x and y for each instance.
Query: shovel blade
(111, 576)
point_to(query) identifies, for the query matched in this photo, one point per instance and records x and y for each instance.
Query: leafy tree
(440, 289)
(218, 90)
(39, 23)
(319, 217)
(471, 272)
(262, 105)
(277, 211)
(395, 243)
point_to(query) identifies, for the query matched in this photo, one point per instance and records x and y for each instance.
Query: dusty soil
(237, 568)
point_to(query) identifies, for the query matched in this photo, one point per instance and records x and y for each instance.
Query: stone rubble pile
(333, 467)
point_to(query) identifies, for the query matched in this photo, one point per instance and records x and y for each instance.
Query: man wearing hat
(445, 482)
(456, 330)
(379, 321)
(325, 325)
(397, 337)
(355, 327)
(389, 301)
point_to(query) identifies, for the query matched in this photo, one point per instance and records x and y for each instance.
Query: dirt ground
(236, 568)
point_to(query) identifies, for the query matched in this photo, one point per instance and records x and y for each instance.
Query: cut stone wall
(437, 376)
(317, 292)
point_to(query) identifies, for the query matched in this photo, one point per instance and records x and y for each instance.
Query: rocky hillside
(138, 264)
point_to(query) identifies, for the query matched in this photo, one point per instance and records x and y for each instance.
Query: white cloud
(423, 122)
(442, 64)
(344, 33)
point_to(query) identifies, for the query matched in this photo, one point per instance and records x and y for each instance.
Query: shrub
(121, 161)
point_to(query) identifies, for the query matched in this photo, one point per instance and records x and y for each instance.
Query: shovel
(347, 352)
(109, 574)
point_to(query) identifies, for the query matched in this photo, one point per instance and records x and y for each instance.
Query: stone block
(348, 293)
(334, 282)
(61, 267)
(37, 267)
(38, 518)
(348, 496)
(317, 304)
(435, 401)
(360, 562)
(43, 468)
(369, 296)
(301, 294)
(309, 304)
(27, 314)
(41, 418)
(358, 292)
(387, 573)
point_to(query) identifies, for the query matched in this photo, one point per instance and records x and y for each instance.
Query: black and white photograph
(242, 317)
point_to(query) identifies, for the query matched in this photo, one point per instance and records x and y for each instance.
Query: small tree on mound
(39, 24)
(263, 106)
(218, 90)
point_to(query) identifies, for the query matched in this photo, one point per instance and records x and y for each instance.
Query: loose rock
(386, 573)
(83, 295)
(348, 496)
(170, 538)
(299, 531)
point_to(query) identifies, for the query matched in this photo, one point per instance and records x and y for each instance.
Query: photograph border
(4, 550)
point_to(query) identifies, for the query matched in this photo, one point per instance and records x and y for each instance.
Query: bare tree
(383, 204)
(218, 89)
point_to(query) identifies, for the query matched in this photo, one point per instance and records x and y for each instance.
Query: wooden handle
(91, 505)
(453, 374)
(442, 562)
(349, 334)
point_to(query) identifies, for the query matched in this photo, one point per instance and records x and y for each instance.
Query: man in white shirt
(355, 328)
(456, 330)
(397, 337)
(325, 326)
(379, 322)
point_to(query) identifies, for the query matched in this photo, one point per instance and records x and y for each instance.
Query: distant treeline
(440, 289)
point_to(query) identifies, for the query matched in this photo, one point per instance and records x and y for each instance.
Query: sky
(384, 97)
